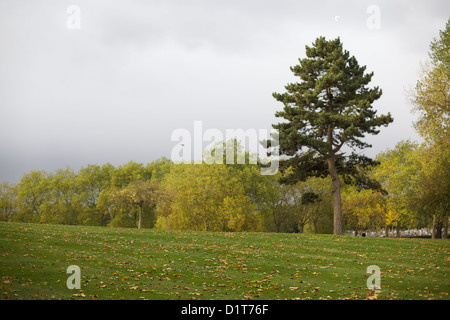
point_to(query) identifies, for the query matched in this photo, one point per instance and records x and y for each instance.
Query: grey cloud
(116, 89)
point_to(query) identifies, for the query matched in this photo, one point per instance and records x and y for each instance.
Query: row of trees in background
(95, 195)
(160, 194)
(210, 197)
(214, 197)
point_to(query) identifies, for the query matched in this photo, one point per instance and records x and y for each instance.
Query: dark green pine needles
(331, 106)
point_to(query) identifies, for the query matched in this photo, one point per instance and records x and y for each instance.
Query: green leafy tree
(32, 192)
(329, 108)
(320, 190)
(431, 101)
(431, 96)
(141, 194)
(272, 203)
(158, 169)
(8, 193)
(306, 203)
(62, 203)
(92, 181)
(206, 197)
(398, 174)
(432, 198)
(128, 173)
(284, 213)
(244, 166)
(298, 204)
(364, 210)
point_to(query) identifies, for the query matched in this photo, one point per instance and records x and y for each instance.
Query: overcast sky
(114, 89)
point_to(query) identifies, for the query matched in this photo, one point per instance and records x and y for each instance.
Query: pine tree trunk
(337, 226)
(277, 223)
(337, 207)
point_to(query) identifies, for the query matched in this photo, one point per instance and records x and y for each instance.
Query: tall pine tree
(328, 108)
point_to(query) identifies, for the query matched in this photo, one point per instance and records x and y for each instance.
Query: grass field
(136, 264)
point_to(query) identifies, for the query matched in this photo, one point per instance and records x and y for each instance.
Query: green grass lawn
(136, 264)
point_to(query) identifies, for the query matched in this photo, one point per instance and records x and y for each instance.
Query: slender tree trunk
(300, 228)
(277, 227)
(386, 231)
(433, 228)
(140, 217)
(439, 229)
(276, 221)
(444, 235)
(337, 207)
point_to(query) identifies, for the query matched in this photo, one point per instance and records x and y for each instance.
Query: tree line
(232, 197)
